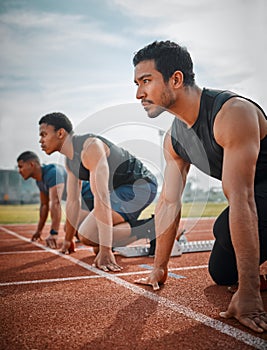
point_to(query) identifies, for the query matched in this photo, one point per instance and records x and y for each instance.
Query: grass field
(26, 214)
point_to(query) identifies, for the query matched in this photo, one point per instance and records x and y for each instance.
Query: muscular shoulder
(92, 144)
(238, 119)
(93, 151)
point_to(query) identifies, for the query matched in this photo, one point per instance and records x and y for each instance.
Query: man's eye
(145, 81)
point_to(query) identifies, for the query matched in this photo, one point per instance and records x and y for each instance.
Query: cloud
(33, 38)
(77, 58)
(168, 10)
(225, 38)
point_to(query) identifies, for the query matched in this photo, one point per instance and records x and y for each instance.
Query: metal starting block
(197, 246)
(178, 248)
(132, 252)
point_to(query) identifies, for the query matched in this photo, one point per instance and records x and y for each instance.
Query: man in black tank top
(225, 136)
(122, 188)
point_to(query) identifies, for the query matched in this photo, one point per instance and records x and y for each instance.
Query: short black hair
(57, 120)
(169, 57)
(28, 155)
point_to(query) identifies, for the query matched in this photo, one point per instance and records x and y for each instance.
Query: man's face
(49, 139)
(156, 95)
(26, 168)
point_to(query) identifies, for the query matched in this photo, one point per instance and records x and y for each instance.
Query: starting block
(132, 252)
(178, 248)
(197, 246)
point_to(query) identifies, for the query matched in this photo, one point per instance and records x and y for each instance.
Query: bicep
(237, 131)
(168, 208)
(175, 174)
(73, 186)
(239, 166)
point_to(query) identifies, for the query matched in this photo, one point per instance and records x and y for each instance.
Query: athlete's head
(168, 57)
(162, 70)
(57, 120)
(53, 130)
(27, 163)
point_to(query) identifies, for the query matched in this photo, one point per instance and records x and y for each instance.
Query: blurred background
(75, 57)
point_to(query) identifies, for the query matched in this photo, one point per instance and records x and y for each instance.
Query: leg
(121, 231)
(222, 263)
(127, 202)
(261, 203)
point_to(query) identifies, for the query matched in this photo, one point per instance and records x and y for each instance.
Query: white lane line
(64, 279)
(233, 332)
(49, 280)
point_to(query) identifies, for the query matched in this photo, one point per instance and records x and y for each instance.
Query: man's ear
(32, 163)
(61, 133)
(177, 79)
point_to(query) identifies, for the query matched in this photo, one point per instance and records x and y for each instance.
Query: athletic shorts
(128, 200)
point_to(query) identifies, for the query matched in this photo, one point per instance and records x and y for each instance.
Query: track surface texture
(54, 301)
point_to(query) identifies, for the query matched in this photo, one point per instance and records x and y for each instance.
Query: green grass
(19, 214)
(195, 209)
(198, 209)
(27, 214)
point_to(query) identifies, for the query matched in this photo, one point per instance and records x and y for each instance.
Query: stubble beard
(167, 102)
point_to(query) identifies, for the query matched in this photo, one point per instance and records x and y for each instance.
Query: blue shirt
(54, 174)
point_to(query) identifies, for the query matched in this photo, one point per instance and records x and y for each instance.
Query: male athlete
(121, 185)
(51, 180)
(225, 136)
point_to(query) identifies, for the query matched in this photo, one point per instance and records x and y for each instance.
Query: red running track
(54, 301)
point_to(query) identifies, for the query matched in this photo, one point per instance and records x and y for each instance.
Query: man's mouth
(146, 104)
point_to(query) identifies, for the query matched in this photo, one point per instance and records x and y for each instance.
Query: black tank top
(124, 168)
(197, 145)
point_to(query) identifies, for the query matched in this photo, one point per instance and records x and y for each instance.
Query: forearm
(55, 213)
(43, 214)
(167, 220)
(103, 216)
(243, 223)
(72, 213)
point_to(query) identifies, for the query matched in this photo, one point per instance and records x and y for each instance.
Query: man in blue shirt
(51, 181)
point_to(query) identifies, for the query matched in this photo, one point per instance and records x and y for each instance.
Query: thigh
(222, 262)
(88, 228)
(221, 230)
(130, 200)
(261, 202)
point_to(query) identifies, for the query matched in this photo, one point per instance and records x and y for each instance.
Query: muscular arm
(72, 205)
(168, 212)
(55, 195)
(237, 130)
(43, 214)
(94, 158)
(241, 148)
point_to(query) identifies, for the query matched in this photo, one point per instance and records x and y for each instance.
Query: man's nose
(140, 94)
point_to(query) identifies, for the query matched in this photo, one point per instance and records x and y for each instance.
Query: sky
(75, 56)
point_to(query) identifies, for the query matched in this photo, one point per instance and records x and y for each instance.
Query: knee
(216, 276)
(224, 271)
